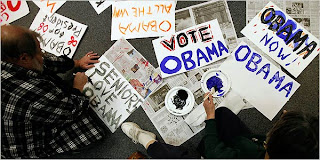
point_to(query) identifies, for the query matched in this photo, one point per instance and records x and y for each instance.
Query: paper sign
(191, 48)
(111, 96)
(258, 81)
(60, 34)
(12, 10)
(138, 19)
(100, 5)
(49, 5)
(282, 38)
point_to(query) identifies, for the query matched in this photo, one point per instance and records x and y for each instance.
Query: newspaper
(173, 129)
(134, 67)
(204, 12)
(305, 12)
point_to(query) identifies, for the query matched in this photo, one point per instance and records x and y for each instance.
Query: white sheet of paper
(111, 96)
(100, 5)
(50, 6)
(191, 48)
(279, 43)
(258, 81)
(12, 10)
(139, 19)
(60, 34)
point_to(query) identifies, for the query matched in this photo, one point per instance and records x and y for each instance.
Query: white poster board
(100, 5)
(282, 38)
(257, 80)
(191, 48)
(61, 35)
(12, 10)
(50, 6)
(139, 19)
(111, 96)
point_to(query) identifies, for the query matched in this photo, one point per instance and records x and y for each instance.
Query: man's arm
(61, 64)
(53, 105)
(213, 146)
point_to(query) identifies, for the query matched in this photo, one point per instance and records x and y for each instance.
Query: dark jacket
(238, 147)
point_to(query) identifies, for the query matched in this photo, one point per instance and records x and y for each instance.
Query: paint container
(179, 101)
(217, 79)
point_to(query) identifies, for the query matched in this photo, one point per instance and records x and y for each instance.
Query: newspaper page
(134, 67)
(173, 129)
(305, 12)
(204, 12)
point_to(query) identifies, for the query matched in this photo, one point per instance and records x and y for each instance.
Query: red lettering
(15, 8)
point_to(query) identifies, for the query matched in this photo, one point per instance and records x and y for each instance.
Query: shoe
(132, 130)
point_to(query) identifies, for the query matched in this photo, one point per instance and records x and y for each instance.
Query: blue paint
(189, 59)
(167, 70)
(215, 82)
(276, 78)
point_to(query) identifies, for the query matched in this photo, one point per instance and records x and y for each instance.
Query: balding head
(20, 46)
(16, 40)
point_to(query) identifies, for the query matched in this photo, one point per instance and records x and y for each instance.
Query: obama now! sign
(191, 48)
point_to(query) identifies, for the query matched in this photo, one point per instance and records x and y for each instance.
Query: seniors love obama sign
(282, 38)
(191, 48)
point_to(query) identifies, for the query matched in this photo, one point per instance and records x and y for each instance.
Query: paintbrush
(211, 92)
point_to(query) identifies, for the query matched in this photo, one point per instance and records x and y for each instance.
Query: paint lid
(172, 108)
(226, 82)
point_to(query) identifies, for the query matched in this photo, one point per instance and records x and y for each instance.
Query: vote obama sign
(190, 48)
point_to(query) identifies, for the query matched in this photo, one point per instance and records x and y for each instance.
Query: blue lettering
(267, 40)
(239, 49)
(255, 63)
(277, 78)
(282, 56)
(202, 56)
(212, 51)
(267, 71)
(185, 60)
(222, 48)
(287, 29)
(290, 84)
(275, 48)
(167, 70)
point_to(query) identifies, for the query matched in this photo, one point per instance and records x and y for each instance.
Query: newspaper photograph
(173, 129)
(306, 12)
(204, 12)
(134, 67)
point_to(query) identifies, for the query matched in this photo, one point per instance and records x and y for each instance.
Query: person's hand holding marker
(208, 105)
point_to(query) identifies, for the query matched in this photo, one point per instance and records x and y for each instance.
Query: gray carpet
(97, 39)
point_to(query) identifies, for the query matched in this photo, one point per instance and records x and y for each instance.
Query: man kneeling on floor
(41, 116)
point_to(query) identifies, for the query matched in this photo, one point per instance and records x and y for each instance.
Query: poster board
(50, 6)
(140, 19)
(283, 39)
(100, 5)
(120, 82)
(111, 95)
(12, 10)
(60, 35)
(190, 48)
(257, 80)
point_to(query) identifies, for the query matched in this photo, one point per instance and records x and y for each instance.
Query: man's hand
(80, 79)
(209, 106)
(87, 61)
